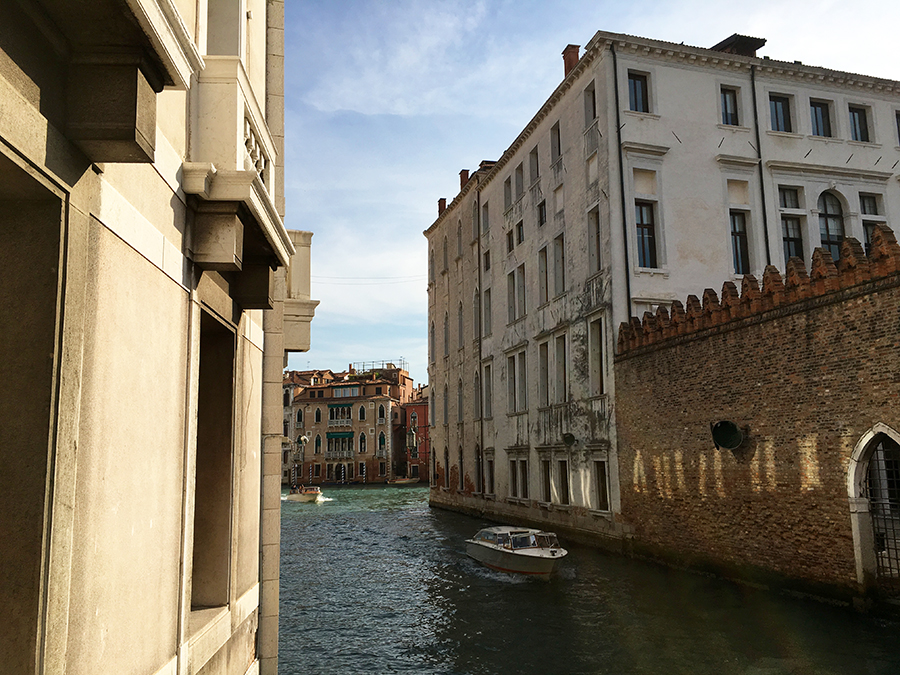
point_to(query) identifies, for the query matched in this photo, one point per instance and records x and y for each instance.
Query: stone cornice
(830, 171)
(174, 45)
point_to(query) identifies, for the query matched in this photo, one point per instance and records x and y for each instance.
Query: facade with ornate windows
(653, 169)
(351, 422)
(142, 240)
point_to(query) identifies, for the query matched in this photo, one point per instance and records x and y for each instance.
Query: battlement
(853, 268)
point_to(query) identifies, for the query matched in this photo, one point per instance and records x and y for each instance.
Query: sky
(386, 100)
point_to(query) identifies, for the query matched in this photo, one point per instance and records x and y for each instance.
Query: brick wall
(808, 363)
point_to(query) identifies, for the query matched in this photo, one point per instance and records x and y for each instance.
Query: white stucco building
(146, 312)
(653, 171)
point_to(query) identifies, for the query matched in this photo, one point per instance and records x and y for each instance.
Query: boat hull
(303, 497)
(504, 560)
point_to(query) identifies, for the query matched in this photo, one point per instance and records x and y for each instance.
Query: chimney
(463, 178)
(570, 57)
(442, 205)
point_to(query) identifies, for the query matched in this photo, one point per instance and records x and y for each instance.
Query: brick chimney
(570, 57)
(442, 205)
(463, 178)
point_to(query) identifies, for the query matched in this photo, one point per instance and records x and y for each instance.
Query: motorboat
(304, 493)
(403, 480)
(518, 550)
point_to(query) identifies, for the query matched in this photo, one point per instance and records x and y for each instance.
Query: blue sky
(388, 100)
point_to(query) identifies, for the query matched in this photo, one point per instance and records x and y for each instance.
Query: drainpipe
(762, 183)
(612, 49)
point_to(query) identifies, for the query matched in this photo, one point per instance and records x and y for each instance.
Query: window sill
(490, 496)
(783, 134)
(733, 127)
(605, 515)
(521, 501)
(517, 413)
(559, 296)
(652, 271)
(865, 144)
(641, 115)
(825, 139)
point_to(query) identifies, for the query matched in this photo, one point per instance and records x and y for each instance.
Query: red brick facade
(806, 366)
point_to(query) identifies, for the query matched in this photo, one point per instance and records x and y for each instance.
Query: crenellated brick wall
(804, 366)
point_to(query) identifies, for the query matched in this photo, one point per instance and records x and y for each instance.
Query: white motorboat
(518, 550)
(304, 493)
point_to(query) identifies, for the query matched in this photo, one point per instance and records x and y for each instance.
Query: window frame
(827, 128)
(781, 121)
(639, 96)
(825, 219)
(649, 235)
(860, 126)
(730, 118)
(740, 240)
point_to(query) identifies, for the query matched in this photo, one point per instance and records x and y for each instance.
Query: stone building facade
(808, 369)
(143, 262)
(652, 170)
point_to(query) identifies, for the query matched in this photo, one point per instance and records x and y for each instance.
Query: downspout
(762, 184)
(612, 49)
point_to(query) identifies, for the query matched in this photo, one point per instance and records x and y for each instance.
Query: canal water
(374, 581)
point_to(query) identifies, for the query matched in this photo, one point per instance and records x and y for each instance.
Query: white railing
(339, 423)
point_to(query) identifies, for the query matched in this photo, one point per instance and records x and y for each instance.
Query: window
(868, 206)
(488, 392)
(462, 484)
(487, 311)
(542, 213)
(740, 252)
(459, 239)
(507, 193)
(487, 260)
(859, 125)
(730, 107)
(820, 117)
(446, 334)
(601, 486)
(474, 220)
(897, 114)
(362, 469)
(485, 220)
(780, 109)
(595, 356)
(646, 233)
(590, 105)
(555, 148)
(594, 242)
(543, 375)
(382, 442)
(318, 448)
(431, 266)
(476, 398)
(446, 411)
(299, 418)
(489, 477)
(513, 478)
(792, 237)
(362, 444)
(546, 495)
(515, 288)
(559, 265)
(380, 413)
(382, 468)
(520, 181)
(520, 232)
(542, 276)
(561, 384)
(459, 401)
(318, 414)
(523, 478)
(534, 167)
(317, 470)
(638, 97)
(516, 382)
(446, 265)
(362, 413)
(431, 342)
(459, 326)
(788, 198)
(510, 241)
(563, 481)
(476, 315)
(831, 223)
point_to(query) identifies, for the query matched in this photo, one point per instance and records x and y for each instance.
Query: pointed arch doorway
(874, 493)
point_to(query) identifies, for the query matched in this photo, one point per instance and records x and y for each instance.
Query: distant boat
(518, 550)
(402, 481)
(305, 493)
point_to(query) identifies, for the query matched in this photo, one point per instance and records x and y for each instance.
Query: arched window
(446, 468)
(413, 420)
(474, 220)
(299, 418)
(382, 442)
(431, 266)
(318, 414)
(459, 250)
(476, 315)
(284, 457)
(446, 264)
(362, 443)
(459, 326)
(446, 412)
(431, 418)
(831, 223)
(318, 444)
(476, 403)
(431, 351)
(462, 482)
(446, 334)
(381, 414)
(459, 401)
(362, 413)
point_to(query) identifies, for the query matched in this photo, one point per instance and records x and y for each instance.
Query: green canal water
(374, 581)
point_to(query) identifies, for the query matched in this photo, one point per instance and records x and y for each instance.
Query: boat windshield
(547, 540)
(523, 541)
(485, 535)
(503, 540)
